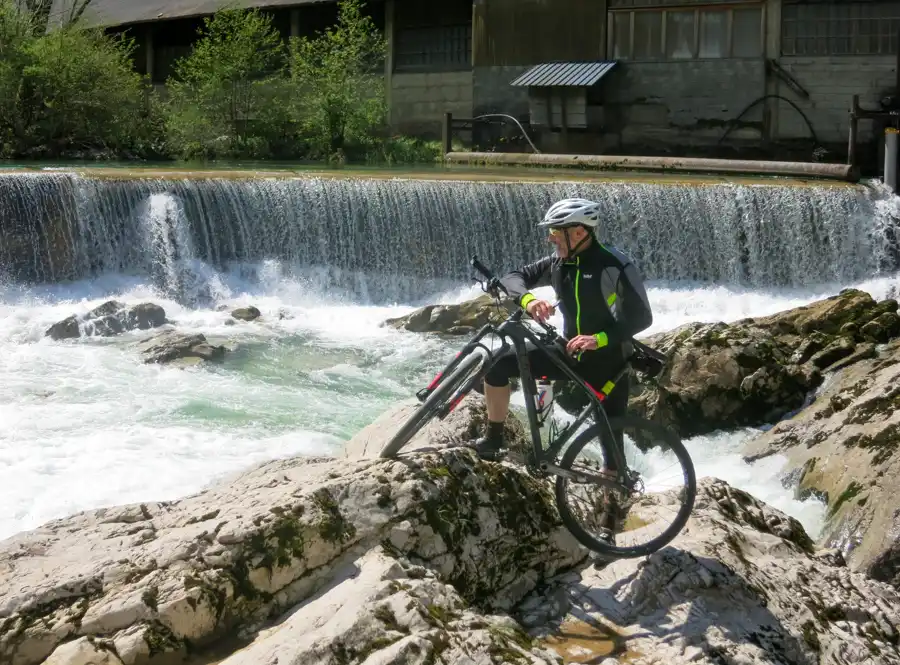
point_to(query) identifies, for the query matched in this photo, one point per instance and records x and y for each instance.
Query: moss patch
(332, 525)
(851, 491)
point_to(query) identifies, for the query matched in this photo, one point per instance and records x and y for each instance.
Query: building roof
(110, 13)
(565, 73)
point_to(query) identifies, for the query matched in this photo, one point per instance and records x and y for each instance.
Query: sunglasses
(556, 231)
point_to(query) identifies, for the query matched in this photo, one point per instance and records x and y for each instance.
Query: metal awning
(581, 74)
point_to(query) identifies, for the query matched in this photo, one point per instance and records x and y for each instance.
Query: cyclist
(603, 301)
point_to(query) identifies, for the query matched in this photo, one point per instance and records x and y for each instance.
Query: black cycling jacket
(600, 293)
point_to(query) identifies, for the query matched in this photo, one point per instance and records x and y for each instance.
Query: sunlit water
(84, 424)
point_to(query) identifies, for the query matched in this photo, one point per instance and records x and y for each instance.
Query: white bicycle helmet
(572, 212)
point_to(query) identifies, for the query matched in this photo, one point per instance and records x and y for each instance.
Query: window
(714, 34)
(844, 28)
(433, 48)
(681, 34)
(647, 35)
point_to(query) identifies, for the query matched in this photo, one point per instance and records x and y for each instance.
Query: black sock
(495, 431)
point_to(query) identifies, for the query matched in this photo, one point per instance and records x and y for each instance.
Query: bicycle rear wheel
(470, 365)
(586, 509)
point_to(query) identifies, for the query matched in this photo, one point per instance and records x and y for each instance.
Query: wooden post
(854, 121)
(447, 133)
(890, 158)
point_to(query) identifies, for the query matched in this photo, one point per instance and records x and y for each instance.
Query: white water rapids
(84, 424)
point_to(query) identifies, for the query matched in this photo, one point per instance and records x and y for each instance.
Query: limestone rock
(461, 426)
(172, 577)
(110, 318)
(843, 447)
(740, 584)
(378, 609)
(461, 319)
(171, 345)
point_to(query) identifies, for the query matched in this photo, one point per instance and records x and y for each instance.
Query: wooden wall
(526, 32)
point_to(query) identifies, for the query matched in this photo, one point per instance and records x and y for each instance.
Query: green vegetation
(241, 93)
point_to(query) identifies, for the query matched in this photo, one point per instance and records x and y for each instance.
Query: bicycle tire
(592, 543)
(427, 410)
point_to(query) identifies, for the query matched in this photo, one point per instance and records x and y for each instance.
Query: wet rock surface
(109, 319)
(843, 448)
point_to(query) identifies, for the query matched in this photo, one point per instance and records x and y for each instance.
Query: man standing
(604, 304)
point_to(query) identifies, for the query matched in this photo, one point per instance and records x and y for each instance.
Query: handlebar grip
(480, 267)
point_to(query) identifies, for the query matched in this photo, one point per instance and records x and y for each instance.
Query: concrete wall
(419, 100)
(831, 83)
(493, 93)
(684, 103)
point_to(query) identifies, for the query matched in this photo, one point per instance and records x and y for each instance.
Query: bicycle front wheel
(472, 364)
(657, 463)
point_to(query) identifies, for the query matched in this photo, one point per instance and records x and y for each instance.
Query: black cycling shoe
(488, 449)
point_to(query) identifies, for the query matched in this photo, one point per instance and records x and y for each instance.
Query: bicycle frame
(515, 330)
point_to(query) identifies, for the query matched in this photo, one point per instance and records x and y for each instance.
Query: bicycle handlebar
(494, 283)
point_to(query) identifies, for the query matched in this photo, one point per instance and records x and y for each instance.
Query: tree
(226, 96)
(339, 83)
(67, 91)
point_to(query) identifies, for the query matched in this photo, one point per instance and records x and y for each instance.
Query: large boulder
(312, 560)
(109, 319)
(843, 449)
(756, 371)
(460, 319)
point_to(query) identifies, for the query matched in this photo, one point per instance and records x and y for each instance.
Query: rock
(410, 558)
(721, 376)
(758, 370)
(843, 448)
(462, 319)
(435, 557)
(740, 584)
(249, 313)
(110, 318)
(462, 425)
(171, 345)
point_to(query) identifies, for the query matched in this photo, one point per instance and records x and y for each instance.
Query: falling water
(390, 239)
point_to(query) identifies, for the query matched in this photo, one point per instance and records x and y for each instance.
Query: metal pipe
(845, 172)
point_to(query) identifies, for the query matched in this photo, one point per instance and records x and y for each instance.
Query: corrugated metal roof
(565, 73)
(110, 13)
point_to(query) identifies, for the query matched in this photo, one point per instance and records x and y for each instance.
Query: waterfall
(389, 238)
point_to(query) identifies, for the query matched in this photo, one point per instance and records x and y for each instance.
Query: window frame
(663, 12)
(798, 14)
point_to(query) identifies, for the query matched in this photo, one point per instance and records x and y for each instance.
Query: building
(686, 76)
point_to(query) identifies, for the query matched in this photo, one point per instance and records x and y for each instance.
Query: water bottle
(543, 399)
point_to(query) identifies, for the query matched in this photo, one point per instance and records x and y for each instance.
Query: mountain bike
(604, 478)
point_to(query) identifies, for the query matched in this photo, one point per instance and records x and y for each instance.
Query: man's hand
(540, 310)
(581, 343)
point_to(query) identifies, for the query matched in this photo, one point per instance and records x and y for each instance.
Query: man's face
(558, 237)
